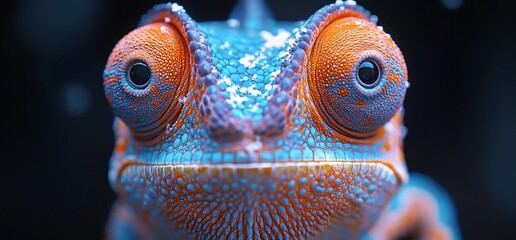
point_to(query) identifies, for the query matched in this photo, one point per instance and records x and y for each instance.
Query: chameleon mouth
(265, 167)
(309, 197)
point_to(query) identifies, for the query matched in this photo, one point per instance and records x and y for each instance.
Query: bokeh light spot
(452, 4)
(76, 99)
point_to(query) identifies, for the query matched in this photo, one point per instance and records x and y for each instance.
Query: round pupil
(368, 73)
(139, 74)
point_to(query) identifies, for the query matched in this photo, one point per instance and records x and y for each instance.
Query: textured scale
(256, 129)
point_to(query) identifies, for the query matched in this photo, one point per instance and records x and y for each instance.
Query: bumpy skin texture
(256, 129)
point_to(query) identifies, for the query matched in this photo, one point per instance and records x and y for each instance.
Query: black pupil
(139, 74)
(368, 73)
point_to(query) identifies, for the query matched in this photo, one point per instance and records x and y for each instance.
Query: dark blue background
(460, 108)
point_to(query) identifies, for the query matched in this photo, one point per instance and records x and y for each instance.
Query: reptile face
(257, 129)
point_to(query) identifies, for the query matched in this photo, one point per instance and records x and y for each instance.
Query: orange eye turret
(356, 75)
(147, 73)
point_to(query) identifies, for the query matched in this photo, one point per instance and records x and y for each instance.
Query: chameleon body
(257, 129)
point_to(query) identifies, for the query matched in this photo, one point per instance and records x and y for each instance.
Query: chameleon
(253, 128)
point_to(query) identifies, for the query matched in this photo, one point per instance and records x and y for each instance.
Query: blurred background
(460, 108)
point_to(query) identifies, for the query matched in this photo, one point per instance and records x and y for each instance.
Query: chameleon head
(222, 131)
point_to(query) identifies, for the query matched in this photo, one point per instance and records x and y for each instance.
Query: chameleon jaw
(271, 198)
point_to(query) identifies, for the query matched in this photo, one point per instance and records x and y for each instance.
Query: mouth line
(256, 165)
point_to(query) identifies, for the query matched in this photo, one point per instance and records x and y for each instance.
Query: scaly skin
(256, 129)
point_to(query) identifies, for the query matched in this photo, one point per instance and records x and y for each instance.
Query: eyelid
(379, 59)
(128, 75)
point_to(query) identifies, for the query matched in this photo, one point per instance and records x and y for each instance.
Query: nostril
(226, 130)
(270, 125)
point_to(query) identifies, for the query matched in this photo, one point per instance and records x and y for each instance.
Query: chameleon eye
(368, 74)
(147, 73)
(139, 75)
(356, 76)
